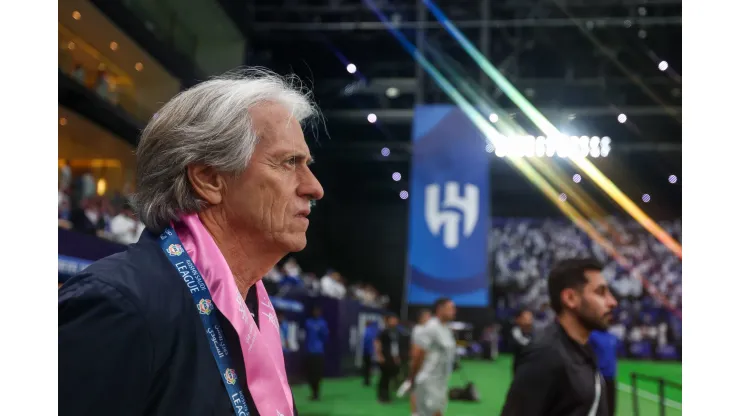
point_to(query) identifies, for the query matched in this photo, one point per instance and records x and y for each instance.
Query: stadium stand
(523, 250)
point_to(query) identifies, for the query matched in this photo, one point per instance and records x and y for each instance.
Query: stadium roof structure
(582, 63)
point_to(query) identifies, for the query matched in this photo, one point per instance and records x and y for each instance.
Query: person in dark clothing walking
(388, 354)
(557, 373)
(368, 350)
(604, 345)
(521, 334)
(317, 332)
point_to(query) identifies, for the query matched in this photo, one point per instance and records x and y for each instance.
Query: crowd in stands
(289, 279)
(82, 209)
(523, 250)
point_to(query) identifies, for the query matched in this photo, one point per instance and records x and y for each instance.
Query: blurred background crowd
(524, 250)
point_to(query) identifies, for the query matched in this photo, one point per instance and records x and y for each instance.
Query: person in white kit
(424, 316)
(432, 360)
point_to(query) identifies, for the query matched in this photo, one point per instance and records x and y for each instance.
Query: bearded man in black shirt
(557, 374)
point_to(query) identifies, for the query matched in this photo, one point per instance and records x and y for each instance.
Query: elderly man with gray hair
(180, 323)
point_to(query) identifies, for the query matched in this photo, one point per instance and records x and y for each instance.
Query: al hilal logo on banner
(447, 215)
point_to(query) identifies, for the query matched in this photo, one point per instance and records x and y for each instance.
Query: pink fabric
(261, 347)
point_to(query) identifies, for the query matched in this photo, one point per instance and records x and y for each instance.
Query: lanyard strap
(181, 261)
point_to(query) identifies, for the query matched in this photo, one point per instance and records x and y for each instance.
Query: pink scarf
(261, 347)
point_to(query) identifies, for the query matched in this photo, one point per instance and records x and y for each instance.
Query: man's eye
(291, 161)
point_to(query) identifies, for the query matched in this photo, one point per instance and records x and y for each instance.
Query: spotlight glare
(672, 179)
(577, 178)
(392, 92)
(622, 118)
(372, 118)
(404, 195)
(645, 198)
(351, 68)
(385, 151)
(489, 148)
(563, 197)
(663, 65)
(493, 117)
(396, 176)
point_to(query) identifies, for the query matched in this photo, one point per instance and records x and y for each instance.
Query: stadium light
(672, 179)
(392, 92)
(404, 195)
(663, 65)
(577, 178)
(396, 176)
(351, 68)
(385, 151)
(645, 198)
(563, 146)
(76, 15)
(563, 197)
(372, 118)
(622, 118)
(493, 117)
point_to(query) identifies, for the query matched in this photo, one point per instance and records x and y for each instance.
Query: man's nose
(311, 187)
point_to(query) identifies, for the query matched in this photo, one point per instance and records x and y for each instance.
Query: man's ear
(569, 298)
(207, 183)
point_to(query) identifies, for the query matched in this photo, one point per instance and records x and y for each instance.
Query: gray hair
(210, 124)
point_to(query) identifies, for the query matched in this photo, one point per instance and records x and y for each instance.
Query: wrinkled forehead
(275, 122)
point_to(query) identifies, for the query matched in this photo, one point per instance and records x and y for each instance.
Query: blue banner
(449, 215)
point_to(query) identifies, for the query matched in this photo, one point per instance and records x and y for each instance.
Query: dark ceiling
(581, 62)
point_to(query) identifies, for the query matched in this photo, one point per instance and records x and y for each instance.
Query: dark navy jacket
(132, 343)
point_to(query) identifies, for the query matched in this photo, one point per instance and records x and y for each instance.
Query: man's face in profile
(596, 302)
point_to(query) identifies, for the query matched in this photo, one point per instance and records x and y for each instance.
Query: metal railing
(662, 384)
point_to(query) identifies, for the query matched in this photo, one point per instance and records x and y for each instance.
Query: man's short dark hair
(440, 303)
(569, 274)
(521, 312)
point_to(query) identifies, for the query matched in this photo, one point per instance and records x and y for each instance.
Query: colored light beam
(509, 128)
(530, 173)
(550, 130)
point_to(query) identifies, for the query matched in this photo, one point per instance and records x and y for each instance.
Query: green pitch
(348, 397)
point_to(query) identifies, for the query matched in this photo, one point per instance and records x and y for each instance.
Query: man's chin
(295, 243)
(606, 323)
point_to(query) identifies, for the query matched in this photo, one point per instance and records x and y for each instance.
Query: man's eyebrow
(299, 155)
